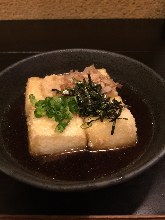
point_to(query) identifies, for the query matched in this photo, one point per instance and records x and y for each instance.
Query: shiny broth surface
(82, 165)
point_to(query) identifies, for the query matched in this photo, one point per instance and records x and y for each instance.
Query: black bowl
(147, 91)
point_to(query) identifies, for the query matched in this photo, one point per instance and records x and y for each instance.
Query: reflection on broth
(82, 165)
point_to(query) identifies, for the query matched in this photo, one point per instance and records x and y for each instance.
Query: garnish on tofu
(85, 98)
(58, 108)
(93, 103)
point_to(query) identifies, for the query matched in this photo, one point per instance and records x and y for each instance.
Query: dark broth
(80, 165)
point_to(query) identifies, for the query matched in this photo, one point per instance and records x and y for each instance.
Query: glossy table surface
(143, 40)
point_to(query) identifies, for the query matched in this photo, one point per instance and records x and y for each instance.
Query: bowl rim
(83, 185)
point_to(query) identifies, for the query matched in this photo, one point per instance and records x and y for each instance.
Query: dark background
(143, 40)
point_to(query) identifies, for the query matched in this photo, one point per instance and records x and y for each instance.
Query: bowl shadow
(122, 199)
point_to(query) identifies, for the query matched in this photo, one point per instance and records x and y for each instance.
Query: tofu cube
(41, 131)
(100, 137)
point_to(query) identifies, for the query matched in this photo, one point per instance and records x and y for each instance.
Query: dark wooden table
(143, 40)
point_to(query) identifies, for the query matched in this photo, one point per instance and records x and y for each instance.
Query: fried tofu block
(99, 134)
(41, 131)
(43, 139)
(100, 137)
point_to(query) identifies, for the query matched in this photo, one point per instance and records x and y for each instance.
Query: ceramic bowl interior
(142, 88)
